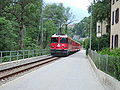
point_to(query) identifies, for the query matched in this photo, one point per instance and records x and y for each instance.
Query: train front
(59, 45)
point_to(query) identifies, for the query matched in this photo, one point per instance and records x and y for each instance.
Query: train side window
(54, 40)
(63, 40)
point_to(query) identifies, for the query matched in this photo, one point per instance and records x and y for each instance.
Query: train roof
(64, 36)
(61, 35)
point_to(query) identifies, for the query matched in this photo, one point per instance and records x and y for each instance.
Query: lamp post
(91, 27)
(91, 22)
(42, 24)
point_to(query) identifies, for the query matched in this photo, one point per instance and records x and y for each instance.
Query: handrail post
(0, 57)
(23, 53)
(106, 63)
(99, 62)
(17, 55)
(28, 53)
(41, 52)
(33, 53)
(10, 55)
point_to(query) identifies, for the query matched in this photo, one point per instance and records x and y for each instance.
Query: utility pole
(91, 26)
(42, 23)
(91, 22)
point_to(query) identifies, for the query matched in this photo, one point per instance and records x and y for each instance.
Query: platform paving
(68, 73)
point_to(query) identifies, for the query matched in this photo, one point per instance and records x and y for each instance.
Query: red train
(62, 45)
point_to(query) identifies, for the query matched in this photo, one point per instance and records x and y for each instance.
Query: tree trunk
(66, 28)
(21, 34)
(22, 27)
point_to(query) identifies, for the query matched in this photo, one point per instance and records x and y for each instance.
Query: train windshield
(54, 40)
(63, 40)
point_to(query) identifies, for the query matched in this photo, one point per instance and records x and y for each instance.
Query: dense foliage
(23, 22)
(7, 35)
(107, 51)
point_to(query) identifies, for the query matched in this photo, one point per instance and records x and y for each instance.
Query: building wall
(104, 25)
(101, 28)
(115, 27)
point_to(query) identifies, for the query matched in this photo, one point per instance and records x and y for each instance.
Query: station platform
(68, 73)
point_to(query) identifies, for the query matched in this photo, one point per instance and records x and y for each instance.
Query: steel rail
(25, 67)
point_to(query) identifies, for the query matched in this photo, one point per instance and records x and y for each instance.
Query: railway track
(10, 72)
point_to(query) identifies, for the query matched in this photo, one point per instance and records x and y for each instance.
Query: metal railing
(7, 56)
(106, 63)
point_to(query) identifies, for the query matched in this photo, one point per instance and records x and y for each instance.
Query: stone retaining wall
(108, 82)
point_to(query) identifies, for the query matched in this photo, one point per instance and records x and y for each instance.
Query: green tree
(7, 36)
(49, 29)
(26, 14)
(59, 14)
(104, 42)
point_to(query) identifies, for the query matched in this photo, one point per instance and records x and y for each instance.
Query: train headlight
(58, 45)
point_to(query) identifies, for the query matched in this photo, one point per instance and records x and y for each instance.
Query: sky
(78, 7)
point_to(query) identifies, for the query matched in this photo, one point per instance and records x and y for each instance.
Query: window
(116, 41)
(63, 40)
(112, 42)
(117, 16)
(54, 40)
(98, 29)
(113, 1)
(107, 28)
(113, 18)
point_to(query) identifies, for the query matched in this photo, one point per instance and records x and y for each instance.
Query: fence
(6, 56)
(108, 64)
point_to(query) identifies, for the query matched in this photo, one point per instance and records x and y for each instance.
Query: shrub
(86, 45)
(113, 61)
(115, 52)
(97, 43)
